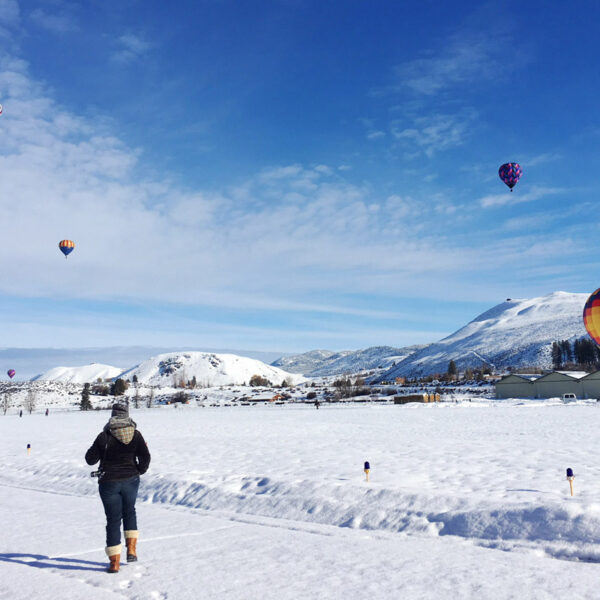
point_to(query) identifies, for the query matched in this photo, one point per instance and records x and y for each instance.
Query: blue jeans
(119, 498)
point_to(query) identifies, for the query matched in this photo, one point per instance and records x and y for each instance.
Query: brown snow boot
(114, 556)
(131, 538)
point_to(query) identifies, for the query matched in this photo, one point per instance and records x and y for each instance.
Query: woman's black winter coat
(118, 460)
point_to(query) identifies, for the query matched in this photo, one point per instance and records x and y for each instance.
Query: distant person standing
(317, 404)
(20, 413)
(46, 412)
(124, 456)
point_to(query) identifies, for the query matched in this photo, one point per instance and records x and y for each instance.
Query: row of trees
(29, 403)
(117, 389)
(582, 354)
(469, 374)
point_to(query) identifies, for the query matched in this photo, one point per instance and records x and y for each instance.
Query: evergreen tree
(556, 355)
(452, 369)
(118, 388)
(577, 351)
(587, 352)
(85, 398)
(567, 354)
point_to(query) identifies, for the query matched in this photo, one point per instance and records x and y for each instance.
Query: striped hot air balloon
(591, 316)
(510, 173)
(11, 373)
(66, 247)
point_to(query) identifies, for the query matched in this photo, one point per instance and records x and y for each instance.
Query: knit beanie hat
(120, 410)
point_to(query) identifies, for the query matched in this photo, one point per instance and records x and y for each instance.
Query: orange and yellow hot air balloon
(591, 316)
(66, 247)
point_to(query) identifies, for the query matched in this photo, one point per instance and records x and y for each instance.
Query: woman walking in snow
(124, 456)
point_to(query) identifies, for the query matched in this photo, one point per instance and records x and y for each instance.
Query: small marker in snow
(367, 469)
(570, 478)
(28, 449)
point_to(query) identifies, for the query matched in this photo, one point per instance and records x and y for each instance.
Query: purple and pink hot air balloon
(11, 373)
(510, 173)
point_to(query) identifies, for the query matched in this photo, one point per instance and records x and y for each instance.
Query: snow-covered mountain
(84, 374)
(363, 360)
(322, 363)
(308, 361)
(209, 370)
(514, 333)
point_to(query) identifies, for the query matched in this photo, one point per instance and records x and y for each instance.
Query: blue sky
(290, 175)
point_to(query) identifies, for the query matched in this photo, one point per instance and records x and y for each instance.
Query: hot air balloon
(0, 109)
(11, 373)
(591, 316)
(66, 247)
(510, 173)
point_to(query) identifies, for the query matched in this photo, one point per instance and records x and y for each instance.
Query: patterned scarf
(123, 428)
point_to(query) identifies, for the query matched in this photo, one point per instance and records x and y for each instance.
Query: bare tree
(150, 401)
(5, 403)
(30, 401)
(136, 397)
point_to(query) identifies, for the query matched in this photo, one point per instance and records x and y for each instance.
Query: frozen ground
(466, 500)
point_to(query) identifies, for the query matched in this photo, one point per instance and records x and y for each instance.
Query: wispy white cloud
(541, 159)
(475, 53)
(9, 12)
(375, 135)
(10, 18)
(432, 133)
(58, 22)
(536, 193)
(464, 58)
(130, 47)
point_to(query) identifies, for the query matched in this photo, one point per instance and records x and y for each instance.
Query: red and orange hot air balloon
(66, 247)
(591, 316)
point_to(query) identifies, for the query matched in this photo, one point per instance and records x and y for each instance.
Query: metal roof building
(551, 385)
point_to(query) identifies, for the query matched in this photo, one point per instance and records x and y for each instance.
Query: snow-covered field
(465, 500)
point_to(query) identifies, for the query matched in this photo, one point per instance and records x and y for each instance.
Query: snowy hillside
(85, 374)
(209, 370)
(322, 363)
(363, 360)
(513, 333)
(306, 362)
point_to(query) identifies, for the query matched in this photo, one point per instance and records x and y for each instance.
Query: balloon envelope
(66, 247)
(11, 373)
(591, 316)
(510, 173)
(0, 109)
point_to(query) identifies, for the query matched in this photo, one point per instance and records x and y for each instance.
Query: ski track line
(53, 492)
(152, 539)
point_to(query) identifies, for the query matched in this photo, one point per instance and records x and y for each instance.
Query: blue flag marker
(570, 478)
(367, 469)
(28, 449)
